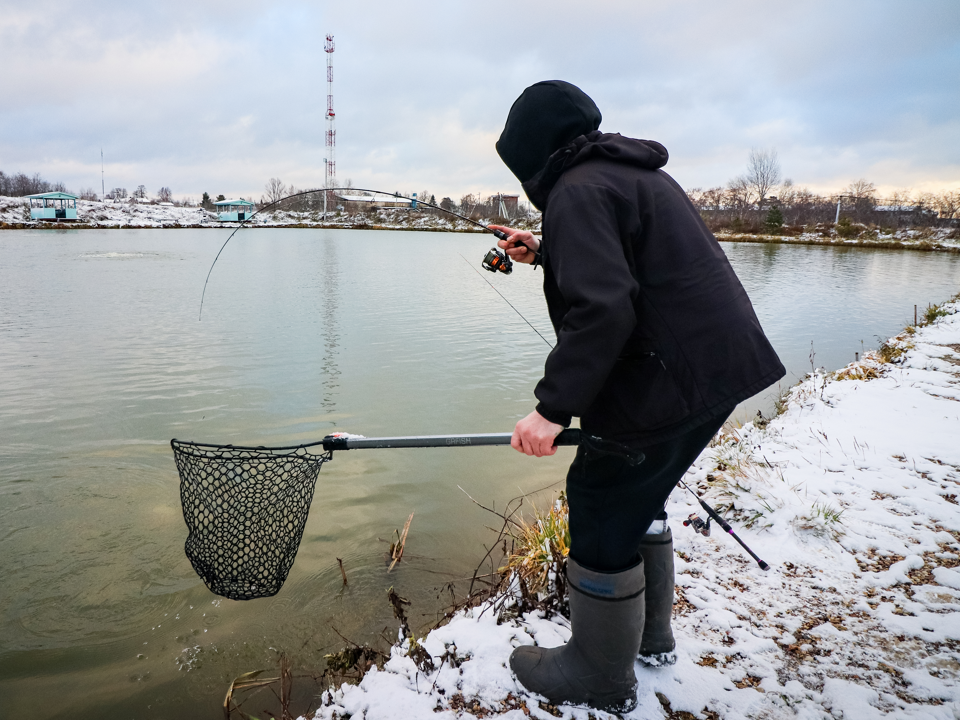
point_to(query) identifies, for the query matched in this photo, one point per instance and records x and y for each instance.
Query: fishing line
(498, 233)
(508, 302)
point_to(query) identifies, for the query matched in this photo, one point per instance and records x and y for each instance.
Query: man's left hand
(534, 435)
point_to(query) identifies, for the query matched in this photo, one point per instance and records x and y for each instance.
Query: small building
(507, 205)
(53, 206)
(234, 210)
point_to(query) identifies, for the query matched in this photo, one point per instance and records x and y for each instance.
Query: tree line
(20, 185)
(761, 201)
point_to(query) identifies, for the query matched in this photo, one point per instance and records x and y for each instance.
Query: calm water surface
(304, 332)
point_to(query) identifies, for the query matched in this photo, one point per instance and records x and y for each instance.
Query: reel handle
(501, 235)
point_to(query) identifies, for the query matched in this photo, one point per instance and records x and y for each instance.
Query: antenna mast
(330, 179)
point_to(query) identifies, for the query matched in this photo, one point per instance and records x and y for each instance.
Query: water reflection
(330, 275)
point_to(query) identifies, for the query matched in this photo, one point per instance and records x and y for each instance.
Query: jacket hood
(645, 154)
(546, 117)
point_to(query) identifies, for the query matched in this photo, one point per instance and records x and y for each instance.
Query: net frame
(245, 509)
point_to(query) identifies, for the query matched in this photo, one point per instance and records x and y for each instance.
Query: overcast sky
(221, 96)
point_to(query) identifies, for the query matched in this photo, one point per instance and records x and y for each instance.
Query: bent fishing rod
(494, 261)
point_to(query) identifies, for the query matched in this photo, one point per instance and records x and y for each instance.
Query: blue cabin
(53, 206)
(234, 210)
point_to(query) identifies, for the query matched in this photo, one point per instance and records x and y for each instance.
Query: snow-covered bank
(925, 239)
(850, 495)
(15, 213)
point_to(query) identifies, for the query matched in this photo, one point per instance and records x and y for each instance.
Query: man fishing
(657, 342)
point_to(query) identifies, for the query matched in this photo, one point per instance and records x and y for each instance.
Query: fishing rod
(703, 528)
(494, 260)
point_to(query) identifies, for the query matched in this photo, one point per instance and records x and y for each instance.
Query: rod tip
(763, 565)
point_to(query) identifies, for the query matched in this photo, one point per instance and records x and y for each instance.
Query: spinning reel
(699, 526)
(496, 260)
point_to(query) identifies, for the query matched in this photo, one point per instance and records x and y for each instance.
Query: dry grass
(541, 547)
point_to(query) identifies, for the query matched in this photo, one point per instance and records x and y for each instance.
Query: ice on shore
(850, 495)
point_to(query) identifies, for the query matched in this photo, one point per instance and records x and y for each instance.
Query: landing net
(245, 510)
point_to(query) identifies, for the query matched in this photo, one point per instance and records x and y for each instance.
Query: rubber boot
(657, 645)
(595, 667)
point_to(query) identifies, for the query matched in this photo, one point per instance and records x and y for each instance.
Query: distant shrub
(934, 313)
(846, 229)
(774, 221)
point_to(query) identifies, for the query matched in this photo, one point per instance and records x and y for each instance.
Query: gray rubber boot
(657, 646)
(595, 667)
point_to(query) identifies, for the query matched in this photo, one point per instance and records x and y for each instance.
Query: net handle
(568, 437)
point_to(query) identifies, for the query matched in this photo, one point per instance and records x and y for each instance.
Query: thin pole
(103, 189)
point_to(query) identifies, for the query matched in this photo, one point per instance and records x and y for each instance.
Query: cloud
(221, 96)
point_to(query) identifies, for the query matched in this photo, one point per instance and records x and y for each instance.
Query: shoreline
(423, 222)
(919, 246)
(850, 494)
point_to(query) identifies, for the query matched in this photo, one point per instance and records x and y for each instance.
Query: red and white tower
(330, 162)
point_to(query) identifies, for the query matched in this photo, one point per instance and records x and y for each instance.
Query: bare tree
(713, 198)
(467, 204)
(763, 174)
(698, 197)
(861, 189)
(88, 194)
(140, 192)
(947, 204)
(737, 196)
(164, 195)
(863, 195)
(276, 190)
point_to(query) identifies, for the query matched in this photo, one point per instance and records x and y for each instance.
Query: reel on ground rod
(699, 526)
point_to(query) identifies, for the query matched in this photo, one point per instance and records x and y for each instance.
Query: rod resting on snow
(726, 526)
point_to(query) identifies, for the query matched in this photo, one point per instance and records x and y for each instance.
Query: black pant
(613, 503)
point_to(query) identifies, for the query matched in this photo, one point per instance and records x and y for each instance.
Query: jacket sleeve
(584, 233)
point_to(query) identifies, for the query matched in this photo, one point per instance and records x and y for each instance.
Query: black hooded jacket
(655, 333)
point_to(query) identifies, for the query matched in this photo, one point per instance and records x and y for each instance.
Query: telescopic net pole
(246, 507)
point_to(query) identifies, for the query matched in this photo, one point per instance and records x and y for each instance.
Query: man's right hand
(521, 245)
(535, 435)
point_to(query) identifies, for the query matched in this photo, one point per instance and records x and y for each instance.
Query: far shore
(98, 216)
(923, 244)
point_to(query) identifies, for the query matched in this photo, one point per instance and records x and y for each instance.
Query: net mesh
(245, 510)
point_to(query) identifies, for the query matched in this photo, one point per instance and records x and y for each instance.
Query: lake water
(304, 332)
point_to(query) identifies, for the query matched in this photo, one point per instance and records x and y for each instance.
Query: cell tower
(330, 163)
